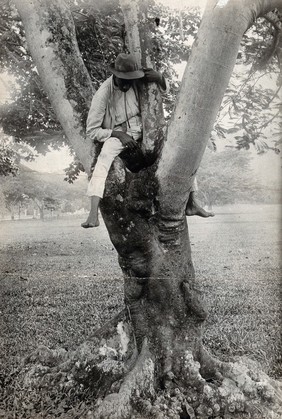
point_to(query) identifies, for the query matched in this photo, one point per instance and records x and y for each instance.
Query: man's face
(123, 84)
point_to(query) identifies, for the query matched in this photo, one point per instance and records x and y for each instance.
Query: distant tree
(46, 191)
(26, 187)
(3, 207)
(236, 182)
(15, 198)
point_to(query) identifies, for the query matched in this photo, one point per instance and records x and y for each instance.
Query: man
(115, 120)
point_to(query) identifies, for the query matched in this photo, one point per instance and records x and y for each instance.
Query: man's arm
(153, 76)
(96, 116)
(125, 139)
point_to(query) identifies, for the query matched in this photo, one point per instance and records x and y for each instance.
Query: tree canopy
(248, 108)
(159, 335)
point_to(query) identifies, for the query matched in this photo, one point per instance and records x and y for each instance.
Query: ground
(59, 283)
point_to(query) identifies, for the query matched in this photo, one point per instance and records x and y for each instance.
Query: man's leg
(110, 150)
(92, 219)
(192, 207)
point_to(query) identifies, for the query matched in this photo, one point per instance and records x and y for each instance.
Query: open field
(60, 282)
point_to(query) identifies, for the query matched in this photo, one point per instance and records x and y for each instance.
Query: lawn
(59, 283)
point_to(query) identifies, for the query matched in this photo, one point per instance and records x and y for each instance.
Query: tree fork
(151, 237)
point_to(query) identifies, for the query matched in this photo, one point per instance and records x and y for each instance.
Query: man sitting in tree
(115, 120)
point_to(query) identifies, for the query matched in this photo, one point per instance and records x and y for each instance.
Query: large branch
(138, 36)
(50, 34)
(204, 82)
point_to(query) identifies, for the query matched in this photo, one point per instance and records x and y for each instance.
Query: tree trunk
(144, 214)
(41, 212)
(149, 228)
(50, 34)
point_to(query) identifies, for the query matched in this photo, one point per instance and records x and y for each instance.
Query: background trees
(247, 111)
(42, 192)
(145, 211)
(237, 183)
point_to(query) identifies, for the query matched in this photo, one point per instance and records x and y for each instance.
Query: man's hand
(125, 139)
(153, 76)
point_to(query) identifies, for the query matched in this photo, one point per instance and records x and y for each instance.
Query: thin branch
(269, 53)
(245, 125)
(274, 96)
(268, 122)
(82, 14)
(232, 99)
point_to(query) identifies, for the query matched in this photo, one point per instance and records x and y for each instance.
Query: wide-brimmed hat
(126, 67)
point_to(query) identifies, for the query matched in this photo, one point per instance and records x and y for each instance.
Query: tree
(11, 154)
(29, 115)
(15, 199)
(28, 186)
(251, 105)
(2, 203)
(144, 213)
(236, 182)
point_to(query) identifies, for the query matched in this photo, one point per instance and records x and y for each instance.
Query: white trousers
(112, 147)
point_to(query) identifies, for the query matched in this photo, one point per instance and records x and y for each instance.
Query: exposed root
(210, 366)
(63, 381)
(239, 390)
(193, 302)
(105, 379)
(246, 385)
(139, 381)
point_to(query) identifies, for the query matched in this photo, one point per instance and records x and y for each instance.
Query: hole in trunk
(184, 415)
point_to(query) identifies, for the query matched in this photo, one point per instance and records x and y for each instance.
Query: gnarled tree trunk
(144, 214)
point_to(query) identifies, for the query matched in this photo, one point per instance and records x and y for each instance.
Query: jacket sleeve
(96, 116)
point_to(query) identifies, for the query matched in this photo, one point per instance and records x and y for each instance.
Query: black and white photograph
(140, 209)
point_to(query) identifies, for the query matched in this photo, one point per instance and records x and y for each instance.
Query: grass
(59, 283)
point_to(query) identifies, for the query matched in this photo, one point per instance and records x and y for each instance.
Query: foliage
(72, 171)
(26, 187)
(236, 183)
(252, 105)
(11, 154)
(172, 44)
(7, 161)
(248, 108)
(45, 190)
(35, 119)
(100, 34)
(29, 113)
(2, 202)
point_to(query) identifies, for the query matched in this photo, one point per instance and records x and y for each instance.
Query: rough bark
(51, 39)
(139, 44)
(154, 252)
(144, 214)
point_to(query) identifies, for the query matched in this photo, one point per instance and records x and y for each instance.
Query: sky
(53, 162)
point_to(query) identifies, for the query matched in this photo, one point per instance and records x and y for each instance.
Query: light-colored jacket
(110, 108)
